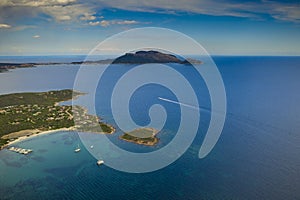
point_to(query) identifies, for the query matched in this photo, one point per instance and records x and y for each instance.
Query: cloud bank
(106, 23)
(280, 10)
(80, 10)
(5, 26)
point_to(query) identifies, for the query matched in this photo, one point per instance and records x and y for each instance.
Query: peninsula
(28, 114)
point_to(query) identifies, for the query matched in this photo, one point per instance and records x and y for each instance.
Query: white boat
(77, 149)
(100, 162)
(92, 146)
(20, 150)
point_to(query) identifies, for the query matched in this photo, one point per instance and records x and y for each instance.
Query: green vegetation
(89, 123)
(3, 142)
(126, 136)
(38, 98)
(144, 136)
(40, 111)
(23, 117)
(105, 128)
(143, 132)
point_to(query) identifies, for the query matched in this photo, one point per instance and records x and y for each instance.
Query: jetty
(20, 150)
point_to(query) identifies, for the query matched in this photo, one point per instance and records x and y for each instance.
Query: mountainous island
(139, 57)
(143, 57)
(27, 114)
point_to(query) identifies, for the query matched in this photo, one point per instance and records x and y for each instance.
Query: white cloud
(34, 3)
(65, 13)
(94, 23)
(5, 26)
(64, 10)
(103, 23)
(106, 23)
(126, 22)
(36, 36)
(63, 18)
(87, 17)
(284, 12)
(277, 10)
(60, 10)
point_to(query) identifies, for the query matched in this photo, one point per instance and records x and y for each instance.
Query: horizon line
(213, 55)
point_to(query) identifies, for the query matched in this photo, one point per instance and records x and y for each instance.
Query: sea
(256, 156)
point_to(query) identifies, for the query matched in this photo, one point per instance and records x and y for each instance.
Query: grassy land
(3, 142)
(38, 98)
(29, 111)
(144, 136)
(23, 117)
(126, 136)
(105, 128)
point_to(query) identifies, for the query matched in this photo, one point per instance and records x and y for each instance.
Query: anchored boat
(77, 149)
(100, 162)
(20, 150)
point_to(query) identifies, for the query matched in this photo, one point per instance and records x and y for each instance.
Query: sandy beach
(28, 134)
(36, 132)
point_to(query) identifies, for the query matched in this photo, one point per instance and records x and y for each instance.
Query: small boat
(77, 149)
(100, 162)
(20, 150)
(92, 146)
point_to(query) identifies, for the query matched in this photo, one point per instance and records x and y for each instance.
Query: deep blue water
(256, 157)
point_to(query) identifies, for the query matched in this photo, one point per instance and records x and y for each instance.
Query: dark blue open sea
(256, 157)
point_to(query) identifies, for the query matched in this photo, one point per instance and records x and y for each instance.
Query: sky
(67, 27)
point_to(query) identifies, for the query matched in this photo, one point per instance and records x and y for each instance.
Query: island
(143, 57)
(28, 114)
(144, 136)
(139, 57)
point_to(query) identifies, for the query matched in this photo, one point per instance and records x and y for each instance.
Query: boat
(20, 150)
(77, 149)
(100, 162)
(92, 146)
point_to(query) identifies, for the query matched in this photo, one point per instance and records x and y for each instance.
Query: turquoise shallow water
(257, 156)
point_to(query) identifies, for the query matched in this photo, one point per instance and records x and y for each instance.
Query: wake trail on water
(242, 119)
(179, 103)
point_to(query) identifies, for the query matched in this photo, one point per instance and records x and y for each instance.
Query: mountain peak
(143, 57)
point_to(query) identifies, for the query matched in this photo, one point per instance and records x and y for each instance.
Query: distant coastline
(4, 67)
(139, 57)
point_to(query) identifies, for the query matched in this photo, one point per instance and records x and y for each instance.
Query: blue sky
(56, 27)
